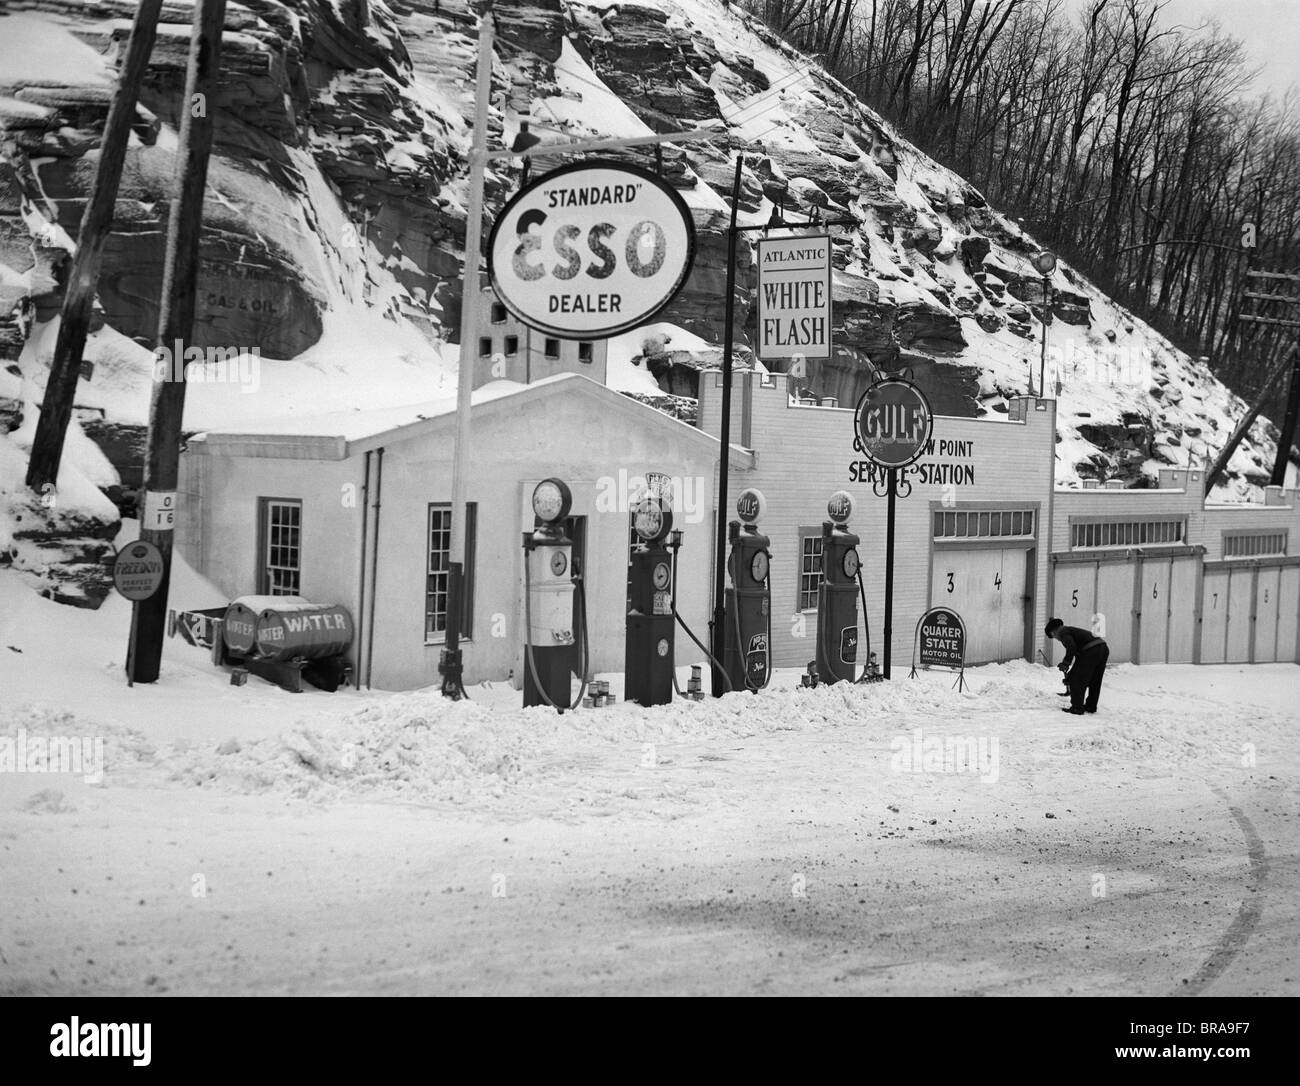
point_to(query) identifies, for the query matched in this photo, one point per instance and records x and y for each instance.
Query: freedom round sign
(893, 422)
(591, 250)
(138, 570)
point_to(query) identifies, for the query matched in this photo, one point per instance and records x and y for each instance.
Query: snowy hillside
(335, 222)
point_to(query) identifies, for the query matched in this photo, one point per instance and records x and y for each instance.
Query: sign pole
(892, 425)
(889, 569)
(451, 667)
(716, 627)
(1047, 316)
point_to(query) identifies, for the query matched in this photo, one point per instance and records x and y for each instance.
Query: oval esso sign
(591, 250)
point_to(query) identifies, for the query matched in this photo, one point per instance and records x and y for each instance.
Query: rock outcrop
(339, 180)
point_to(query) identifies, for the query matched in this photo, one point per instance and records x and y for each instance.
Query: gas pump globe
(648, 653)
(837, 595)
(747, 603)
(552, 501)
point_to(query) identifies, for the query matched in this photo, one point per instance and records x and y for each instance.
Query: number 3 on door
(950, 582)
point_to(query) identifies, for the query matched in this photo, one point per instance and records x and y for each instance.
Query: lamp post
(1044, 263)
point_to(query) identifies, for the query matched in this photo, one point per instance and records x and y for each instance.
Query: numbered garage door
(1239, 603)
(1214, 615)
(1266, 613)
(987, 588)
(1074, 588)
(1167, 610)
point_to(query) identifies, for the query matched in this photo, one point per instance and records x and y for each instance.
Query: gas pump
(552, 650)
(648, 659)
(837, 604)
(747, 634)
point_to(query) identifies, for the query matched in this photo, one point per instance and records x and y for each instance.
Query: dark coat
(1075, 641)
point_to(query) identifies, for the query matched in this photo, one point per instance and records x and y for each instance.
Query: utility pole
(451, 665)
(96, 222)
(175, 324)
(1272, 289)
(1247, 421)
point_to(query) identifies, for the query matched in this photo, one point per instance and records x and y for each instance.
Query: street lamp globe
(1044, 262)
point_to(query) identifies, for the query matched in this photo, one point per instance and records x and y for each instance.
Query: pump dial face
(559, 562)
(758, 566)
(661, 575)
(851, 563)
(551, 500)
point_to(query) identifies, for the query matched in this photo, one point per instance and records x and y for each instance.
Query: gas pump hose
(866, 626)
(528, 645)
(718, 668)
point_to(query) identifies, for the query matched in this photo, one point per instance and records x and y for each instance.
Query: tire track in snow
(1243, 927)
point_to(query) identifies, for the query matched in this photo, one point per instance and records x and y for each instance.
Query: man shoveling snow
(1085, 664)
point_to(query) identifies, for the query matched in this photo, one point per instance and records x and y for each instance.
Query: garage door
(1266, 614)
(986, 587)
(1074, 584)
(1167, 606)
(1239, 594)
(1115, 606)
(1214, 615)
(1288, 610)
(1153, 610)
(1182, 607)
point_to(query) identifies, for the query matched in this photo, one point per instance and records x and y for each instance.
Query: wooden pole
(1286, 436)
(175, 322)
(1221, 461)
(451, 665)
(96, 222)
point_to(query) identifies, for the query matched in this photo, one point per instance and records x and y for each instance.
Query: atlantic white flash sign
(794, 297)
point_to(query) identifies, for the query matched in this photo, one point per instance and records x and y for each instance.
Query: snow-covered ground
(243, 839)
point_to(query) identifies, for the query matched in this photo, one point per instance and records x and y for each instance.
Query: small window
(1250, 544)
(485, 347)
(438, 572)
(810, 567)
(584, 353)
(281, 547)
(552, 348)
(498, 313)
(1124, 533)
(512, 345)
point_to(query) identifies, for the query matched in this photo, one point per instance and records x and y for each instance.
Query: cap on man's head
(1052, 626)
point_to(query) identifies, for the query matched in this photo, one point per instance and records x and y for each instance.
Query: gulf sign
(591, 250)
(893, 422)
